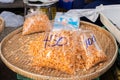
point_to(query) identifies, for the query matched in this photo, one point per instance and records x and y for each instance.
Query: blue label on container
(62, 21)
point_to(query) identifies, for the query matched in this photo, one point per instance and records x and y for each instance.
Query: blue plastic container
(65, 5)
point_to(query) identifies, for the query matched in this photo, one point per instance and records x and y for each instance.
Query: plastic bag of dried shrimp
(89, 50)
(35, 22)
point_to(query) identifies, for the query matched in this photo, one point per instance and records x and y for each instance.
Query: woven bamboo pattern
(12, 54)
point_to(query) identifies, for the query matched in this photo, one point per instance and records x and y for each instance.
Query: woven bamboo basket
(19, 61)
(1, 24)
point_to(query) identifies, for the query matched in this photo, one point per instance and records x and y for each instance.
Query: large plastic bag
(6, 1)
(55, 50)
(11, 19)
(35, 22)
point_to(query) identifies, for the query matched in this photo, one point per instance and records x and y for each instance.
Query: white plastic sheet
(111, 20)
(91, 14)
(112, 12)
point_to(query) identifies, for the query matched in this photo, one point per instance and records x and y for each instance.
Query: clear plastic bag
(11, 19)
(90, 50)
(35, 22)
(55, 50)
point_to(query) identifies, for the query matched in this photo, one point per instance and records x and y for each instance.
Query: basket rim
(2, 19)
(36, 76)
(2, 24)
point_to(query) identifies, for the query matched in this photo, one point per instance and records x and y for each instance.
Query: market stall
(48, 50)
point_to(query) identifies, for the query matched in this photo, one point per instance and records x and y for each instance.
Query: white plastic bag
(11, 19)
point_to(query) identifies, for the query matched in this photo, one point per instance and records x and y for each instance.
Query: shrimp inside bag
(36, 22)
(89, 50)
(55, 50)
(65, 47)
(67, 51)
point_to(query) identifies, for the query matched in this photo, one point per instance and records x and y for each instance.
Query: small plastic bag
(90, 49)
(35, 22)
